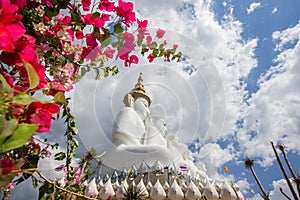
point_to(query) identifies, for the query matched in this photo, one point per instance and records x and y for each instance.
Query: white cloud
(273, 111)
(274, 10)
(206, 104)
(214, 157)
(253, 6)
(244, 186)
(276, 194)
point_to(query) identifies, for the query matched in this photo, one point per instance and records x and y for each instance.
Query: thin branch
(284, 194)
(63, 189)
(284, 173)
(32, 170)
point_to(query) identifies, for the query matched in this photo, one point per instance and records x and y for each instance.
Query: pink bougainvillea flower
(24, 50)
(150, 57)
(11, 29)
(48, 3)
(105, 17)
(55, 87)
(94, 53)
(128, 37)
(6, 42)
(160, 33)
(66, 21)
(91, 40)
(86, 5)
(142, 28)
(20, 3)
(39, 113)
(142, 24)
(125, 10)
(87, 19)
(148, 40)
(132, 59)
(7, 166)
(109, 52)
(98, 22)
(175, 46)
(106, 5)
(79, 34)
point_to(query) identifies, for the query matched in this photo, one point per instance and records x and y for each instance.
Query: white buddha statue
(155, 131)
(129, 127)
(137, 136)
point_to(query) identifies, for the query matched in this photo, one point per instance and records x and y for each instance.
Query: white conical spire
(227, 192)
(166, 186)
(92, 188)
(149, 185)
(175, 192)
(142, 188)
(116, 185)
(210, 191)
(107, 191)
(192, 192)
(157, 192)
(122, 189)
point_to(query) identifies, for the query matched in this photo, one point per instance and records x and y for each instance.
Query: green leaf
(60, 98)
(83, 71)
(153, 45)
(114, 70)
(155, 52)
(4, 85)
(60, 156)
(118, 29)
(75, 142)
(33, 77)
(106, 72)
(63, 4)
(144, 49)
(96, 14)
(51, 12)
(43, 189)
(74, 130)
(7, 127)
(22, 98)
(106, 41)
(20, 136)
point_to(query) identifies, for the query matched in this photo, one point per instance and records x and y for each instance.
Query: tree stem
(284, 173)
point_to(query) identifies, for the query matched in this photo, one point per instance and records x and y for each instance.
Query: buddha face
(141, 107)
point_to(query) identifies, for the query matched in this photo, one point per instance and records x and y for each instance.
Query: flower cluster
(45, 48)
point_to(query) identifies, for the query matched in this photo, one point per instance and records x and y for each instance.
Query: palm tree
(249, 164)
(134, 193)
(296, 178)
(284, 173)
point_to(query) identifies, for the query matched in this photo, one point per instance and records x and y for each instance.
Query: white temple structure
(143, 156)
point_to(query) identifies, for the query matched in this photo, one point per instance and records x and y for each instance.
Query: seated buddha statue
(129, 126)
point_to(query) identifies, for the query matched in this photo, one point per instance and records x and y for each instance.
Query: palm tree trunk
(295, 177)
(264, 195)
(284, 173)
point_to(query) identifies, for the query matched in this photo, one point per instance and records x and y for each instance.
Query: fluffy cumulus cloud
(276, 194)
(274, 111)
(253, 6)
(214, 157)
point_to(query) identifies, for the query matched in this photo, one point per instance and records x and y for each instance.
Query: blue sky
(243, 90)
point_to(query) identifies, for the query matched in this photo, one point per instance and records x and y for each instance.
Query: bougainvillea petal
(7, 166)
